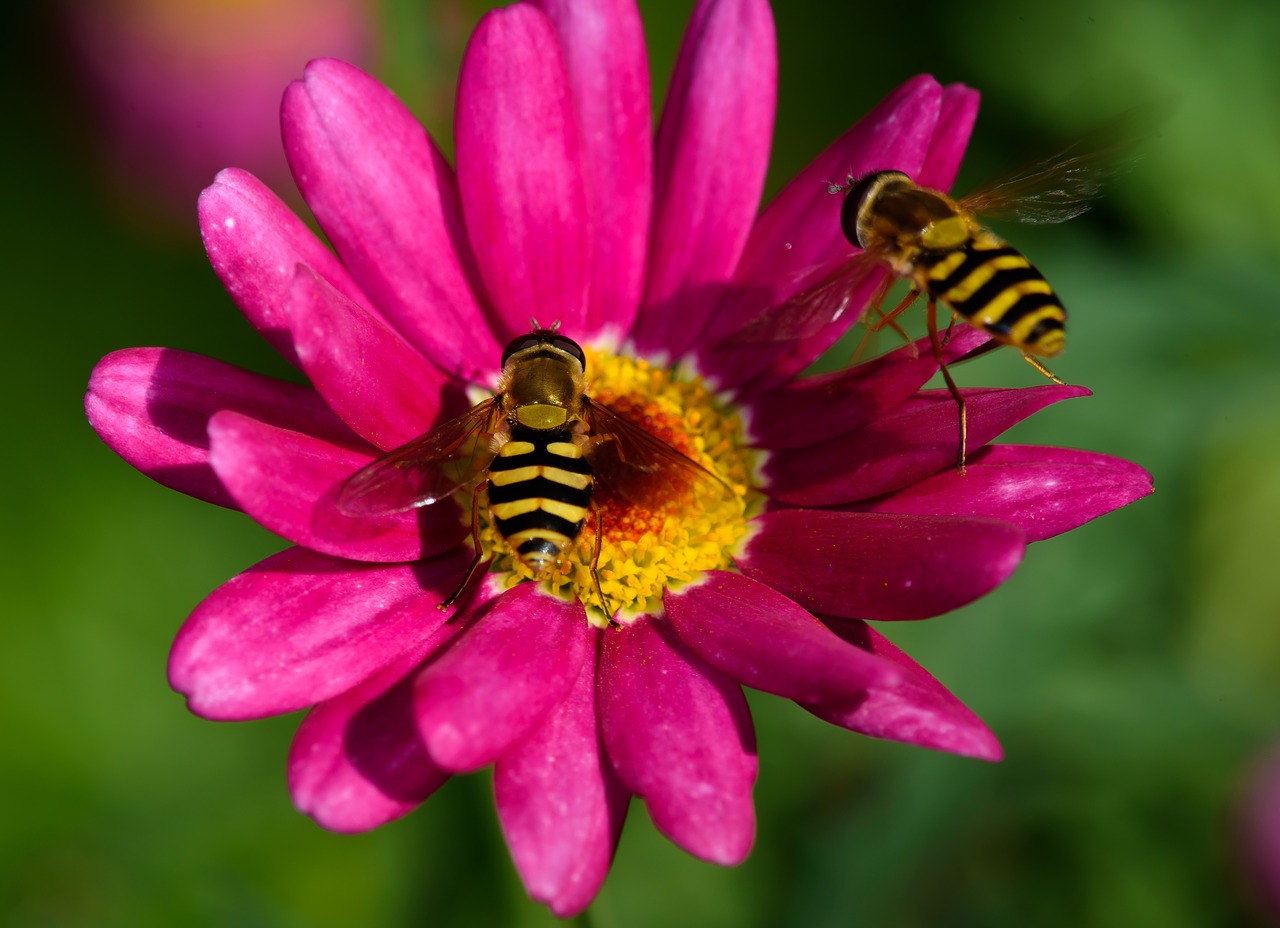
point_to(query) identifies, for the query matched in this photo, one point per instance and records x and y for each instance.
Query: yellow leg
(595, 565)
(1041, 368)
(951, 384)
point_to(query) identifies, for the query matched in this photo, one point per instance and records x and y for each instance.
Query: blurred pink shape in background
(1259, 834)
(179, 89)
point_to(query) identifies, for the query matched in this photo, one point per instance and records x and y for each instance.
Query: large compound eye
(569, 347)
(531, 340)
(855, 198)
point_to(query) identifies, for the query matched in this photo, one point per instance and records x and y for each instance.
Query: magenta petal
(712, 152)
(1046, 491)
(289, 483)
(357, 761)
(679, 735)
(956, 116)
(811, 410)
(388, 201)
(875, 566)
(384, 389)
(302, 627)
(560, 803)
(520, 170)
(609, 73)
(152, 407)
(919, 438)
(917, 710)
(763, 640)
(254, 242)
(501, 678)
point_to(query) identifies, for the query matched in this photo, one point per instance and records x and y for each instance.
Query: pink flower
(180, 88)
(1258, 835)
(563, 207)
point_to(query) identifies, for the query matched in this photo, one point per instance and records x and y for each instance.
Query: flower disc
(679, 528)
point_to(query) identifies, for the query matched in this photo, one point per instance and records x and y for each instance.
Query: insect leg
(475, 561)
(1041, 368)
(595, 563)
(888, 319)
(951, 384)
(946, 336)
(874, 307)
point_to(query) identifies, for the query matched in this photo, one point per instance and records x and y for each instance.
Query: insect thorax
(543, 392)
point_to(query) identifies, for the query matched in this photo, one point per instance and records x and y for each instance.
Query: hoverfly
(537, 447)
(939, 246)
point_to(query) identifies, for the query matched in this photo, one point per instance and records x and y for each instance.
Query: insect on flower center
(668, 522)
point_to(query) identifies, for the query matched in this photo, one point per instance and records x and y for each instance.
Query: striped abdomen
(539, 492)
(997, 290)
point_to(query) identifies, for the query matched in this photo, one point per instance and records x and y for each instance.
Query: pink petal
(917, 710)
(501, 678)
(609, 74)
(357, 761)
(254, 242)
(811, 410)
(152, 407)
(763, 640)
(712, 153)
(1046, 491)
(520, 170)
(560, 803)
(958, 112)
(874, 566)
(387, 199)
(919, 438)
(383, 388)
(289, 483)
(679, 735)
(797, 241)
(302, 627)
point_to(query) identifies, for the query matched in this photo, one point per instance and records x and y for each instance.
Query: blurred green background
(1130, 668)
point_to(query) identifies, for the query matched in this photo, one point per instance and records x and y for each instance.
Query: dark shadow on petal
(382, 742)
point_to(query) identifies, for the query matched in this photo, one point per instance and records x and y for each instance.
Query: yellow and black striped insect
(937, 243)
(537, 448)
(939, 246)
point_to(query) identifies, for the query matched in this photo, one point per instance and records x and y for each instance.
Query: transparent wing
(427, 469)
(1065, 184)
(642, 468)
(842, 291)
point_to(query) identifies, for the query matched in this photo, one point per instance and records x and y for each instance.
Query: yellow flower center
(678, 528)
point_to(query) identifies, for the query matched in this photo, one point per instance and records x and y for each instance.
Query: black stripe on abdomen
(539, 520)
(1001, 280)
(974, 258)
(540, 488)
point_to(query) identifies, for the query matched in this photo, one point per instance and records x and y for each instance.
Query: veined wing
(642, 468)
(1065, 184)
(843, 291)
(427, 469)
